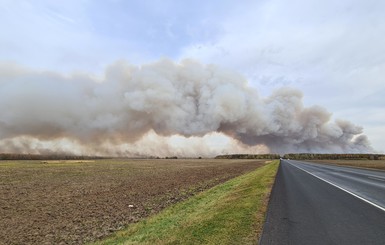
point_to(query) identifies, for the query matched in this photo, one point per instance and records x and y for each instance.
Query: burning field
(74, 202)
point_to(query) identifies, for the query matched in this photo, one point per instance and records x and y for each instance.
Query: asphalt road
(324, 204)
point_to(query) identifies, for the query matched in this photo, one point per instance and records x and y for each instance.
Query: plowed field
(70, 202)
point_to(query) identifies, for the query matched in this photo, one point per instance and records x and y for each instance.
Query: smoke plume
(159, 109)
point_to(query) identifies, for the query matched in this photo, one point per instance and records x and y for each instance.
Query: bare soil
(70, 202)
(375, 164)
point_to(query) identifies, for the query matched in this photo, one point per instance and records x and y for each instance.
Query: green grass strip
(230, 213)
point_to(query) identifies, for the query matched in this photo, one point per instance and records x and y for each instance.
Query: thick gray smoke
(133, 108)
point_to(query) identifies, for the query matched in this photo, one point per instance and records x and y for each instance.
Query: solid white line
(341, 188)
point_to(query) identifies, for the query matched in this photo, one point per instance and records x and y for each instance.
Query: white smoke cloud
(159, 109)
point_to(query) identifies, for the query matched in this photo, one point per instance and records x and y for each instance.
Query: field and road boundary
(230, 213)
(189, 201)
(80, 201)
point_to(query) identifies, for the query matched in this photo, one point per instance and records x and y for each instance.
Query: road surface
(325, 204)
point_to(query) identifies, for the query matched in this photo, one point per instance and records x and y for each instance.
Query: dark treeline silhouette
(249, 156)
(310, 156)
(173, 157)
(17, 156)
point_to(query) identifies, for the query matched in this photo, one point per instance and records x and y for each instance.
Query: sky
(332, 51)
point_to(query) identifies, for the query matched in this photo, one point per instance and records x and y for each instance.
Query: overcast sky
(333, 51)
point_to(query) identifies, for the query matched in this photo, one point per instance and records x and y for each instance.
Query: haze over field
(137, 78)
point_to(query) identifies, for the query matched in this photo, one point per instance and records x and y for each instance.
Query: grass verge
(230, 213)
(373, 164)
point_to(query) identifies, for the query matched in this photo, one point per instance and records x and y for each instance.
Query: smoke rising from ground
(159, 109)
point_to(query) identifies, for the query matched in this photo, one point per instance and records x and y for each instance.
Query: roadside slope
(230, 213)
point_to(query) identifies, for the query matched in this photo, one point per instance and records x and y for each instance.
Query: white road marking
(341, 188)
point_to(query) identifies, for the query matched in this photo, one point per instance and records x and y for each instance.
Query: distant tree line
(17, 156)
(310, 156)
(173, 157)
(249, 156)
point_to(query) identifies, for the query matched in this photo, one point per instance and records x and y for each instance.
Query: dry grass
(375, 164)
(66, 161)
